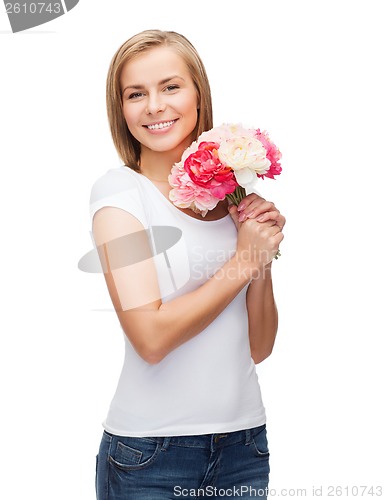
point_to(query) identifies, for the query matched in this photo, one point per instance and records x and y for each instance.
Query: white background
(308, 72)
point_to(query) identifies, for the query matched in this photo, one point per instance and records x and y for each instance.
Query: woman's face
(159, 100)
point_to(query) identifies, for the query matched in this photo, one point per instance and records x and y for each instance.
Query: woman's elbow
(148, 348)
(151, 356)
(260, 355)
(148, 351)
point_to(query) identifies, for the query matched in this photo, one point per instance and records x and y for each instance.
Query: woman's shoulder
(121, 174)
(119, 187)
(113, 181)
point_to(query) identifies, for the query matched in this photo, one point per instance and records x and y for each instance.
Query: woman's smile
(159, 102)
(160, 127)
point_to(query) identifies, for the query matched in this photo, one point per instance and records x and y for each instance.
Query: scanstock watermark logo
(127, 259)
(25, 15)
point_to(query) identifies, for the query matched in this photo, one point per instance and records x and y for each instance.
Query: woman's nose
(155, 104)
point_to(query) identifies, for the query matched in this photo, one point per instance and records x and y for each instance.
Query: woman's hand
(256, 207)
(264, 234)
(257, 243)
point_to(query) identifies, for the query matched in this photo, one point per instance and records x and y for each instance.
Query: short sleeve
(119, 188)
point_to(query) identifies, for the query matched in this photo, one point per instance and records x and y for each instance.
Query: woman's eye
(135, 95)
(172, 87)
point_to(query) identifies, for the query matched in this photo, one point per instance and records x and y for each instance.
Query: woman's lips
(159, 127)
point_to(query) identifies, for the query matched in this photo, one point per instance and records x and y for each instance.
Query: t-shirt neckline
(169, 203)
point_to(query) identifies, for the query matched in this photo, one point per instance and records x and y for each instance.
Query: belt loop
(247, 436)
(165, 444)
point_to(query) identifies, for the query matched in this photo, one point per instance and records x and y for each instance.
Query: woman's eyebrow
(162, 82)
(166, 80)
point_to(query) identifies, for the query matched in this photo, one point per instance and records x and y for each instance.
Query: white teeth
(160, 125)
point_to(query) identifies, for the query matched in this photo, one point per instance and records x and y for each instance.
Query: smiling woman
(139, 45)
(159, 107)
(196, 317)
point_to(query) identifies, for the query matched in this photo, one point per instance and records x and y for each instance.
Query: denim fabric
(230, 465)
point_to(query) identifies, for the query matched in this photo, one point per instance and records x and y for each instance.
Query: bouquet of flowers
(225, 161)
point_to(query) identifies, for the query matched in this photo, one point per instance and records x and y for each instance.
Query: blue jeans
(230, 465)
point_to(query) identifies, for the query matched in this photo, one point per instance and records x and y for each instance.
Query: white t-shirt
(208, 384)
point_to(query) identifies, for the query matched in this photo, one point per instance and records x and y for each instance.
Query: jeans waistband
(213, 441)
(208, 441)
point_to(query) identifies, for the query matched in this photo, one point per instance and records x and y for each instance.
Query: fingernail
(260, 218)
(242, 217)
(240, 207)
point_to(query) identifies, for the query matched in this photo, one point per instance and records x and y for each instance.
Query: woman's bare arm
(155, 328)
(261, 307)
(262, 315)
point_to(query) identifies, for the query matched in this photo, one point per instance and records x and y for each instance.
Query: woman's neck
(157, 165)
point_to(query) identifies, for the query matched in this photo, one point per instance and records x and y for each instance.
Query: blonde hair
(127, 146)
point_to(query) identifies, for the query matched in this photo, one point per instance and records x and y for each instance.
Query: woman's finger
(257, 207)
(253, 212)
(275, 215)
(250, 198)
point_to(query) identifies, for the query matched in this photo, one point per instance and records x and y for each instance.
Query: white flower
(244, 152)
(247, 158)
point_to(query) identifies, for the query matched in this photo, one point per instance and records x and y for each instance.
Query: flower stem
(237, 195)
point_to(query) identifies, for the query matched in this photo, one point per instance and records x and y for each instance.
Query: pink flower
(187, 194)
(224, 132)
(206, 170)
(216, 134)
(225, 161)
(273, 154)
